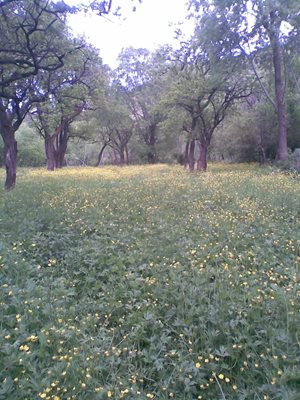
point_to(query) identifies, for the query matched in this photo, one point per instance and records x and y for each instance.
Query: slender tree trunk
(126, 154)
(282, 148)
(100, 155)
(152, 156)
(186, 154)
(262, 148)
(202, 160)
(192, 144)
(116, 161)
(122, 155)
(10, 159)
(192, 155)
(262, 156)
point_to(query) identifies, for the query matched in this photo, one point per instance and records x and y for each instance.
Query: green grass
(150, 283)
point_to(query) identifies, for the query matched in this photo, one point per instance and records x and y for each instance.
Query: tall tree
(205, 85)
(139, 81)
(27, 31)
(115, 125)
(34, 44)
(247, 27)
(77, 81)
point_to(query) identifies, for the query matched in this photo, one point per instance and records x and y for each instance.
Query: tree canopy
(173, 103)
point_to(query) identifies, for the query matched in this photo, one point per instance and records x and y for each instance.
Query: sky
(147, 27)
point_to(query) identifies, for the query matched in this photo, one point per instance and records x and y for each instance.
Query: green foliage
(140, 74)
(31, 156)
(31, 151)
(146, 282)
(30, 31)
(257, 30)
(30, 148)
(247, 134)
(294, 120)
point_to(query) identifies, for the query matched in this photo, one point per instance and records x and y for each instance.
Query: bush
(31, 156)
(291, 164)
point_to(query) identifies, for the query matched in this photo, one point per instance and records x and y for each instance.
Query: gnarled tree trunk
(56, 144)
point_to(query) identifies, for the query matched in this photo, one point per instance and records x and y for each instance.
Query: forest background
(230, 92)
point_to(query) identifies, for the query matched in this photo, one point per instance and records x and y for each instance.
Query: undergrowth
(150, 283)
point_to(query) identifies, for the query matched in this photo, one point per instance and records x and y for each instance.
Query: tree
(116, 125)
(103, 7)
(108, 123)
(248, 134)
(248, 27)
(34, 44)
(205, 85)
(75, 84)
(27, 29)
(139, 81)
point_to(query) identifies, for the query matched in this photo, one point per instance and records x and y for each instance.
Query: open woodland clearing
(146, 282)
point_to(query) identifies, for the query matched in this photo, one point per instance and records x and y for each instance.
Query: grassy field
(150, 283)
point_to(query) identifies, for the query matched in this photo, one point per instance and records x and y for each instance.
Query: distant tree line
(230, 92)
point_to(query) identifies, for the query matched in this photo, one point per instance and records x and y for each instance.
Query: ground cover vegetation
(147, 282)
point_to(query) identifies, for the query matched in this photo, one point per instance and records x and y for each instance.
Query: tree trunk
(282, 148)
(126, 154)
(100, 155)
(262, 148)
(192, 155)
(202, 160)
(151, 155)
(62, 144)
(10, 159)
(50, 153)
(56, 146)
(122, 155)
(186, 154)
(116, 161)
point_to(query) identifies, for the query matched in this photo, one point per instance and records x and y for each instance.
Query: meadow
(147, 282)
